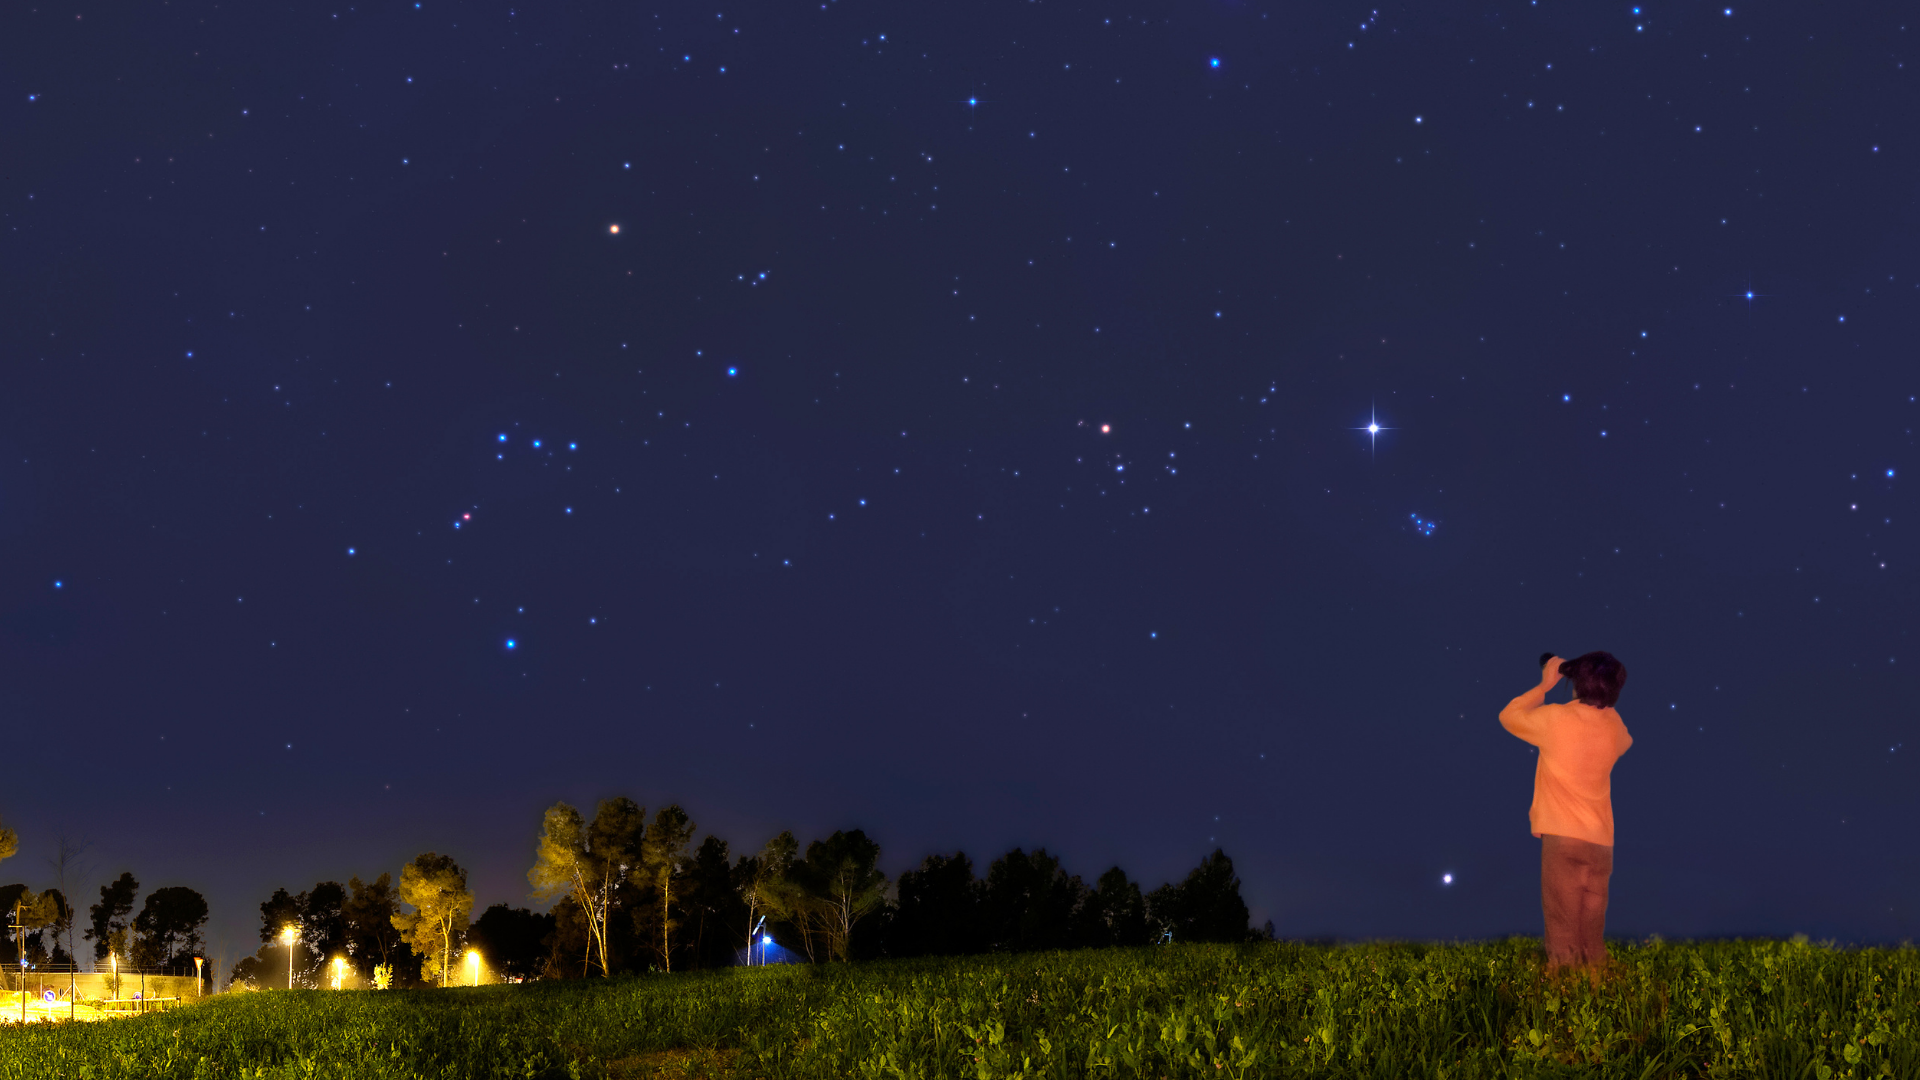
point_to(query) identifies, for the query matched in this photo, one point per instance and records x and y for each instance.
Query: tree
(167, 930)
(109, 925)
(323, 927)
(760, 880)
(1206, 906)
(1114, 913)
(939, 913)
(512, 940)
(712, 904)
(1028, 902)
(9, 843)
(843, 885)
(662, 855)
(65, 865)
(588, 863)
(436, 888)
(368, 913)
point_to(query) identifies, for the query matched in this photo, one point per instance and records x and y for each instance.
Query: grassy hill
(1745, 1009)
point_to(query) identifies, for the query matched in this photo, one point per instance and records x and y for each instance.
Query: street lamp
(339, 972)
(288, 935)
(473, 967)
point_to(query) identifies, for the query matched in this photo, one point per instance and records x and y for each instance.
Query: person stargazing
(1572, 811)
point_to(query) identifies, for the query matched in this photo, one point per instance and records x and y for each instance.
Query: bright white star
(1373, 430)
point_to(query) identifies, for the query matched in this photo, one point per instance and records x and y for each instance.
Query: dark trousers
(1573, 896)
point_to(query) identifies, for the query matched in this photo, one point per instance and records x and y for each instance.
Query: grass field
(1746, 1009)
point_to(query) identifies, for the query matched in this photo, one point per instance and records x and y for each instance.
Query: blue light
(766, 940)
(503, 435)
(512, 644)
(732, 371)
(536, 444)
(1566, 397)
(573, 446)
(189, 354)
(62, 584)
(1889, 476)
(1215, 62)
(973, 101)
(351, 551)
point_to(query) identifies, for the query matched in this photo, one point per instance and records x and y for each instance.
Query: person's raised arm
(1518, 716)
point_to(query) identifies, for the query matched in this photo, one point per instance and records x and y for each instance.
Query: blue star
(512, 644)
(1214, 63)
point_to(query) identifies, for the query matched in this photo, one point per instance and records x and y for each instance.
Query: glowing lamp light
(766, 939)
(473, 967)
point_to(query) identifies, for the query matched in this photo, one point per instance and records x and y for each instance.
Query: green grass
(1736, 1009)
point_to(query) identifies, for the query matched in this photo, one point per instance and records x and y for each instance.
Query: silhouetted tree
(764, 882)
(1204, 907)
(938, 912)
(1114, 913)
(109, 926)
(569, 942)
(711, 906)
(1028, 902)
(512, 940)
(167, 930)
(371, 939)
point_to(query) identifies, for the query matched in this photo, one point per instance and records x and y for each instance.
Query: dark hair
(1597, 678)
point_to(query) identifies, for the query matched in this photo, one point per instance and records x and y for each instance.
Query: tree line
(629, 893)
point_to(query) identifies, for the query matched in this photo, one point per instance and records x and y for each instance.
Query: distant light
(1727, 12)
(1419, 119)
(732, 371)
(1215, 62)
(1373, 429)
(512, 644)
(1566, 397)
(536, 444)
(1446, 879)
(350, 551)
(503, 437)
(614, 229)
(466, 517)
(62, 584)
(1106, 429)
(1889, 476)
(573, 446)
(973, 101)
(189, 354)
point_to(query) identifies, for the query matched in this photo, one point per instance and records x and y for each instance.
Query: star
(1373, 430)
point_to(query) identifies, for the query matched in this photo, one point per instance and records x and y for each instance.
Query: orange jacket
(1572, 785)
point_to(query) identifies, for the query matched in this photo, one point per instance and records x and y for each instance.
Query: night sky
(952, 421)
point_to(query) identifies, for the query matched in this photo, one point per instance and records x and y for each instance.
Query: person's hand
(1550, 672)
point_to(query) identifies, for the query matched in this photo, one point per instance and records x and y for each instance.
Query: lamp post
(339, 972)
(288, 935)
(754, 933)
(473, 967)
(199, 990)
